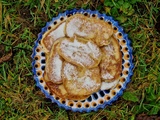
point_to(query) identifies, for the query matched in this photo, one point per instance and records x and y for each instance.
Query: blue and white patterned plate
(97, 100)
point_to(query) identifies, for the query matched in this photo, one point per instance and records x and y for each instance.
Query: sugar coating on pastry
(111, 62)
(60, 91)
(80, 52)
(80, 81)
(57, 89)
(98, 31)
(53, 66)
(108, 85)
(52, 36)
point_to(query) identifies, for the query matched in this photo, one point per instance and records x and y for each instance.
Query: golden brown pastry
(52, 36)
(53, 66)
(61, 92)
(97, 30)
(80, 81)
(111, 63)
(57, 89)
(79, 52)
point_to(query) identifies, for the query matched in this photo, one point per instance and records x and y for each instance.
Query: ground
(22, 20)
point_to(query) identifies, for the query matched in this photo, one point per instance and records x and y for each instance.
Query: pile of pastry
(81, 54)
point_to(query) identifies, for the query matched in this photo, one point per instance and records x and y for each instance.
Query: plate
(102, 98)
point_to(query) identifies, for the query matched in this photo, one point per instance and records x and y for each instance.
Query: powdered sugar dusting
(108, 85)
(59, 32)
(53, 36)
(70, 71)
(84, 27)
(92, 48)
(109, 50)
(110, 66)
(107, 75)
(80, 52)
(56, 68)
(86, 81)
(74, 26)
(98, 31)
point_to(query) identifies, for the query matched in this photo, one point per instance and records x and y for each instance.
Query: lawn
(22, 20)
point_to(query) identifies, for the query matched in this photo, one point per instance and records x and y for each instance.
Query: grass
(20, 24)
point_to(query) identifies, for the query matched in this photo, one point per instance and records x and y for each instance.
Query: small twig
(68, 115)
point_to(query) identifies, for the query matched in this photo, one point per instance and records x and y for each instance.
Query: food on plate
(80, 52)
(60, 91)
(53, 66)
(51, 36)
(80, 81)
(82, 57)
(97, 30)
(111, 63)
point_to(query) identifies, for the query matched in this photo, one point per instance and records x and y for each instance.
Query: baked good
(51, 36)
(53, 66)
(89, 28)
(111, 63)
(57, 89)
(80, 81)
(80, 52)
(60, 91)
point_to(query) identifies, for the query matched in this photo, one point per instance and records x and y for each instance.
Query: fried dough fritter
(57, 89)
(80, 52)
(111, 63)
(79, 81)
(61, 92)
(52, 36)
(53, 67)
(89, 28)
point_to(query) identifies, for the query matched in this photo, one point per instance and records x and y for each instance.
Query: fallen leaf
(6, 57)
